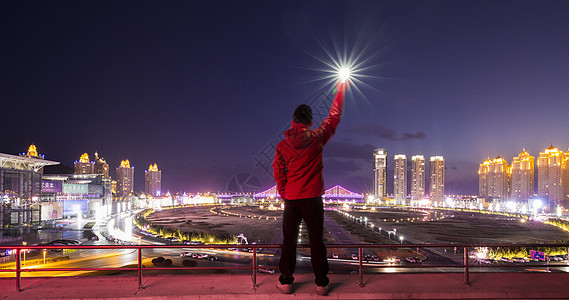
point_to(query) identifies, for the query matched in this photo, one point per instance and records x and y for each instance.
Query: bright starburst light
(344, 74)
(356, 64)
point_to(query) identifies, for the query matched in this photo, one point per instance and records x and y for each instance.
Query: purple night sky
(202, 87)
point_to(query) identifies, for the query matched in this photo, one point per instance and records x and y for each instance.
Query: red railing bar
(378, 246)
(466, 279)
(18, 274)
(254, 267)
(139, 269)
(360, 247)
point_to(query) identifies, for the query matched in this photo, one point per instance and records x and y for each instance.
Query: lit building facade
(380, 173)
(20, 187)
(153, 181)
(522, 182)
(550, 174)
(437, 179)
(101, 166)
(400, 178)
(565, 179)
(125, 179)
(483, 173)
(417, 177)
(494, 178)
(84, 166)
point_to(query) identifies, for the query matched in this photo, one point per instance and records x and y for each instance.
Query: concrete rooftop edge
(240, 286)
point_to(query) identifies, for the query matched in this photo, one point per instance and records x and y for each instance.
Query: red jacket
(297, 167)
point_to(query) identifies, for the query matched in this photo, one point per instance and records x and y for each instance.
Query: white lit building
(400, 179)
(522, 182)
(380, 173)
(125, 179)
(550, 174)
(417, 177)
(437, 179)
(494, 179)
(153, 181)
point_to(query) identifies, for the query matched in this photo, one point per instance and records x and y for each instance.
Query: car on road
(392, 260)
(518, 259)
(411, 260)
(335, 255)
(265, 270)
(505, 259)
(186, 254)
(354, 256)
(555, 258)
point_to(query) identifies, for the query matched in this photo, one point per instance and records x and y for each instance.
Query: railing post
(361, 269)
(254, 267)
(139, 268)
(466, 274)
(18, 274)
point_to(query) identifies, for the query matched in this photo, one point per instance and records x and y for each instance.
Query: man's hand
(342, 86)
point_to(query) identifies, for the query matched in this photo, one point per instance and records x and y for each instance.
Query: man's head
(303, 114)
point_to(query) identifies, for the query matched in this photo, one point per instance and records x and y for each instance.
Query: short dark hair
(303, 114)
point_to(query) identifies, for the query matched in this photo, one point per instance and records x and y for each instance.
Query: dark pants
(312, 211)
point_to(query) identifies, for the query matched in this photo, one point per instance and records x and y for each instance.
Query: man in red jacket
(297, 169)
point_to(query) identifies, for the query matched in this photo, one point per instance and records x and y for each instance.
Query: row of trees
(497, 253)
(166, 232)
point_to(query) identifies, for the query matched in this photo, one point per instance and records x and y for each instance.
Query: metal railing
(465, 264)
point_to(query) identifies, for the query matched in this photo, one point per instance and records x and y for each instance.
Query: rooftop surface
(231, 286)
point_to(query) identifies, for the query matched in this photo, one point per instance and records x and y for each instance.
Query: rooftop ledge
(231, 286)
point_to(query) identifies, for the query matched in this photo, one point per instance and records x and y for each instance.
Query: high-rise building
(483, 174)
(494, 178)
(380, 173)
(101, 166)
(437, 179)
(550, 174)
(400, 178)
(21, 187)
(522, 187)
(417, 177)
(125, 179)
(84, 166)
(565, 179)
(152, 180)
(499, 179)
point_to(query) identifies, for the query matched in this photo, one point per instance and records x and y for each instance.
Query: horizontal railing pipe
(360, 262)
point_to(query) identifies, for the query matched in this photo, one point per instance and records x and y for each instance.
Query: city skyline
(204, 88)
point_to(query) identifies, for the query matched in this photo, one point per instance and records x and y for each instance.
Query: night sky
(202, 88)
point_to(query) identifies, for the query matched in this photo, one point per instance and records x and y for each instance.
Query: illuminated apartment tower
(380, 173)
(152, 180)
(483, 173)
(494, 178)
(522, 187)
(550, 175)
(101, 166)
(565, 179)
(84, 166)
(499, 179)
(400, 178)
(417, 177)
(125, 179)
(437, 179)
